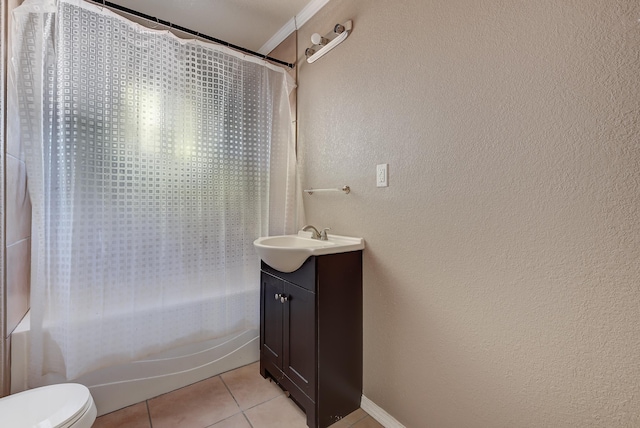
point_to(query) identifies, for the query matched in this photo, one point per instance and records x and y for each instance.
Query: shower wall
(17, 227)
(18, 236)
(4, 369)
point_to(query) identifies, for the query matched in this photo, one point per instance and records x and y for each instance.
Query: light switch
(382, 175)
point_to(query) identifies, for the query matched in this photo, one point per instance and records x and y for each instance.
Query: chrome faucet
(314, 232)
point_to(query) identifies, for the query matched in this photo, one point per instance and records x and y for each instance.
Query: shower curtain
(153, 164)
(4, 351)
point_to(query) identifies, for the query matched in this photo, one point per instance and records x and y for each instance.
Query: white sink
(287, 253)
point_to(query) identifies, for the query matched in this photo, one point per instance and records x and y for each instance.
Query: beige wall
(502, 266)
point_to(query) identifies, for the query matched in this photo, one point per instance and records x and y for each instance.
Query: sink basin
(287, 253)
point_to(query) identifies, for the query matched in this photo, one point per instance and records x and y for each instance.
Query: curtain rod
(188, 31)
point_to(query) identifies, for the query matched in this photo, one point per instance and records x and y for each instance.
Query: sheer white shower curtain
(153, 164)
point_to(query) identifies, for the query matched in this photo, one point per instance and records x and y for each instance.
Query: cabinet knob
(283, 298)
(278, 296)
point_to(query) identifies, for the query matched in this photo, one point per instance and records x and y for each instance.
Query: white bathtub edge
(111, 393)
(114, 396)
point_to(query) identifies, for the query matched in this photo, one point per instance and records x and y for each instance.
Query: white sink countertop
(287, 253)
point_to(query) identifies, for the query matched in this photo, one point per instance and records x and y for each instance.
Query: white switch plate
(382, 175)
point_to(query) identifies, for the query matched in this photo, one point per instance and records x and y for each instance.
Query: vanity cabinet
(311, 334)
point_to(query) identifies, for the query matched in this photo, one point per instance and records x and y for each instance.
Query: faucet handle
(323, 234)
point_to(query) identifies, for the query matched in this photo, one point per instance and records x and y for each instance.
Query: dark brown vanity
(311, 334)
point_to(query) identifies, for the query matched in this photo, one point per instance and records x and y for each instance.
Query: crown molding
(300, 19)
(279, 37)
(309, 10)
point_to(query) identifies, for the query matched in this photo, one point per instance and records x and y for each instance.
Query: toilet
(66, 405)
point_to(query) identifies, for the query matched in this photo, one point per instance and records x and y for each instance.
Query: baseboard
(379, 414)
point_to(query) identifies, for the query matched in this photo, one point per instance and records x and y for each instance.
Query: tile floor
(240, 398)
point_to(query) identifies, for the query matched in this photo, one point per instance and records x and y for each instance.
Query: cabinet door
(300, 338)
(271, 319)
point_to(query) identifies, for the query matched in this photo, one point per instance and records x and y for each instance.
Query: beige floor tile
(350, 419)
(195, 406)
(135, 416)
(248, 387)
(236, 421)
(280, 412)
(367, 422)
(341, 424)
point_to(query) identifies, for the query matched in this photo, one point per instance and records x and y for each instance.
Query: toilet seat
(67, 405)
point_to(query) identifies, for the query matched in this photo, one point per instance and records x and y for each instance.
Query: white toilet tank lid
(45, 407)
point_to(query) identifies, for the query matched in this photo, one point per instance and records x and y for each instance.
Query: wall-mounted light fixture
(321, 45)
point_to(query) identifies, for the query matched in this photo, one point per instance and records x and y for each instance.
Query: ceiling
(246, 23)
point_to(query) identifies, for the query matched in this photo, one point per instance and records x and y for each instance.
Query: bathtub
(120, 386)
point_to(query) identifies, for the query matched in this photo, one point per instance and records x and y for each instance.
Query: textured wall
(502, 268)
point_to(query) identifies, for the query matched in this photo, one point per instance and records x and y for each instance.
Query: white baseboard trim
(379, 414)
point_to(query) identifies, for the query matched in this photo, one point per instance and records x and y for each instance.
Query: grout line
(366, 415)
(261, 403)
(255, 405)
(246, 418)
(363, 417)
(232, 416)
(234, 399)
(230, 393)
(146, 402)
